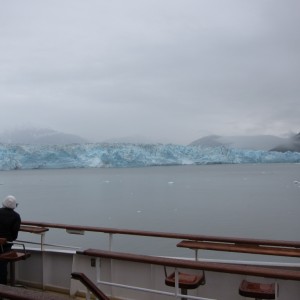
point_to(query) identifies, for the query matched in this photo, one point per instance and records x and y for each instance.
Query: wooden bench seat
(258, 290)
(11, 257)
(250, 270)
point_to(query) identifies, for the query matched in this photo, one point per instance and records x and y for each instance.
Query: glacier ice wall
(13, 157)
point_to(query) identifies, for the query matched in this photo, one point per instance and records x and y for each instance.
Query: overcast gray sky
(169, 70)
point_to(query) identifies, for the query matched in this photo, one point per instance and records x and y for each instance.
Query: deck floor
(22, 292)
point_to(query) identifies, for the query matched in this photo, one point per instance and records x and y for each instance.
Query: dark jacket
(10, 222)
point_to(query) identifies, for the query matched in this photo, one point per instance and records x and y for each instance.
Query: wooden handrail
(241, 248)
(194, 237)
(33, 229)
(89, 285)
(250, 270)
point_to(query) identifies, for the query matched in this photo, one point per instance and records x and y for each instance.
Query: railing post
(111, 261)
(176, 283)
(276, 290)
(110, 241)
(98, 269)
(42, 251)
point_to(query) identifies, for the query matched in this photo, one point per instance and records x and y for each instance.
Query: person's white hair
(10, 202)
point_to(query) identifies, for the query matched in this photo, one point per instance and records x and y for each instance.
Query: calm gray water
(259, 201)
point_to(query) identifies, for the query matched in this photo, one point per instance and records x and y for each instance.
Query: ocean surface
(242, 200)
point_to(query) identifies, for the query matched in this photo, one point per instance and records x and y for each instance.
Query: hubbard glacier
(26, 157)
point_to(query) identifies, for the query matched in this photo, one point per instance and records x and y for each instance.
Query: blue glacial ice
(14, 157)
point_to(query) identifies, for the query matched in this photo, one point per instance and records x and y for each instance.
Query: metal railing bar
(151, 290)
(50, 245)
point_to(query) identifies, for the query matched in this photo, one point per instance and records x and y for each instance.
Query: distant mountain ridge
(39, 137)
(293, 144)
(258, 142)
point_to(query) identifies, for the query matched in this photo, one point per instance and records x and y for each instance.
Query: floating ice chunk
(138, 211)
(296, 182)
(171, 182)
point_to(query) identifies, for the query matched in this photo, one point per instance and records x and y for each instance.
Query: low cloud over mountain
(39, 137)
(293, 144)
(260, 142)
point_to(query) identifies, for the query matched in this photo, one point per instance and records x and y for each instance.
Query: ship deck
(47, 270)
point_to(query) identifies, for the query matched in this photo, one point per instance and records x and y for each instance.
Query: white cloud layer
(169, 70)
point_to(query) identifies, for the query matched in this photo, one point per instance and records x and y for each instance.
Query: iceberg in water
(13, 157)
